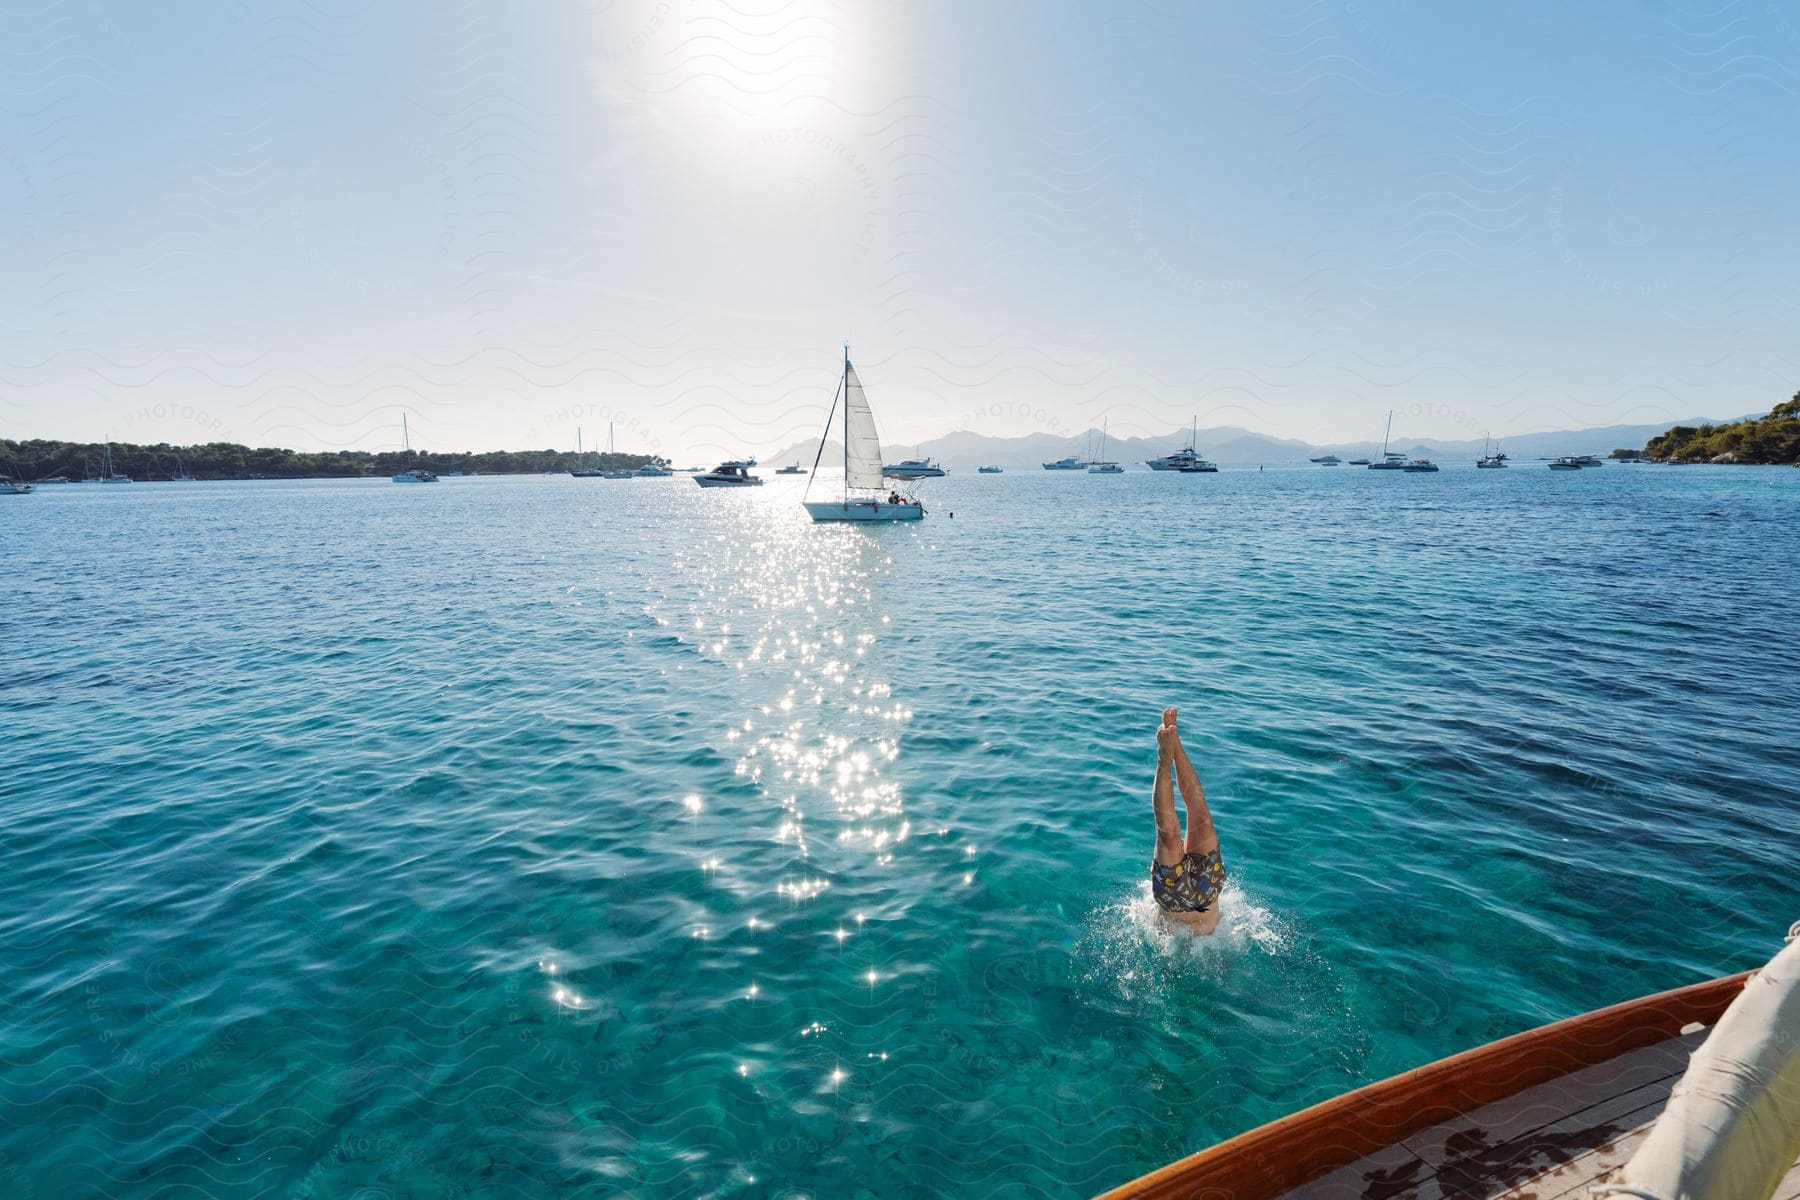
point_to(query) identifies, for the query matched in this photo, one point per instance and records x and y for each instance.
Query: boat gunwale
(1291, 1151)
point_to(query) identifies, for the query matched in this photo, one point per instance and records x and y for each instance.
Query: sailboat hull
(862, 510)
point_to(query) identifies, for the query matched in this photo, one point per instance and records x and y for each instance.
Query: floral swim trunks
(1191, 885)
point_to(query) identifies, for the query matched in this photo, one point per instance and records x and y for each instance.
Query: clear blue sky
(289, 222)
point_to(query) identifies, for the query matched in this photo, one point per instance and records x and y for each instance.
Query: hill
(39, 459)
(965, 450)
(1774, 438)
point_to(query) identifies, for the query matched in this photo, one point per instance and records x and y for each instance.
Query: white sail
(862, 447)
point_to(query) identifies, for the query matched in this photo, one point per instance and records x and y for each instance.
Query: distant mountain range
(1227, 443)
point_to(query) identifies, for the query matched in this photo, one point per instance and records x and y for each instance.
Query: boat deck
(1555, 1140)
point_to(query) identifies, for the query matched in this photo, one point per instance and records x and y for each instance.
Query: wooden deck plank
(1498, 1166)
(1789, 1187)
(1585, 1170)
(1549, 1103)
(1391, 1173)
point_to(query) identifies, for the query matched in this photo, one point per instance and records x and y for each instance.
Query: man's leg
(1202, 838)
(1169, 850)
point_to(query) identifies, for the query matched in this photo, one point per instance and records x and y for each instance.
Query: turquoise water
(553, 837)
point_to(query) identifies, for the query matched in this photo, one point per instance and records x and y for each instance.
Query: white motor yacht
(735, 473)
(913, 468)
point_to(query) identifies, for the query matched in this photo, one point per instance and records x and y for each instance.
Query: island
(40, 459)
(1774, 438)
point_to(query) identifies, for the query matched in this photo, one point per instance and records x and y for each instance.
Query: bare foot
(1166, 741)
(1169, 718)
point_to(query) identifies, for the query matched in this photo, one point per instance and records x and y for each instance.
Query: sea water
(556, 837)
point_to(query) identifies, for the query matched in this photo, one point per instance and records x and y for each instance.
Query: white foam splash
(1132, 951)
(1243, 924)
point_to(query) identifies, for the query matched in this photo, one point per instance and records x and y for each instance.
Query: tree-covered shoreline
(1759, 440)
(41, 459)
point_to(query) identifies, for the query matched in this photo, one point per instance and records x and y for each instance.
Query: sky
(291, 222)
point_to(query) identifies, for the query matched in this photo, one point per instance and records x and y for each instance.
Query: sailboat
(1490, 456)
(861, 498)
(108, 475)
(15, 486)
(613, 473)
(581, 470)
(1100, 466)
(1390, 461)
(413, 474)
(180, 475)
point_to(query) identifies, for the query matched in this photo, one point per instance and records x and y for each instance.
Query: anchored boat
(735, 473)
(414, 475)
(1390, 460)
(860, 497)
(1693, 1092)
(913, 468)
(581, 470)
(108, 475)
(1103, 467)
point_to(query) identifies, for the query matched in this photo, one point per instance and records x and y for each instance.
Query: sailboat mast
(845, 384)
(1386, 432)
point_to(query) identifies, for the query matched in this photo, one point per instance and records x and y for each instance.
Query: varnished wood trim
(1282, 1155)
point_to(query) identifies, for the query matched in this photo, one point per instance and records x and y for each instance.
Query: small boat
(581, 470)
(15, 487)
(913, 468)
(792, 469)
(1491, 457)
(1070, 463)
(1565, 463)
(1327, 460)
(1686, 1092)
(1182, 459)
(53, 479)
(1419, 466)
(1102, 467)
(416, 474)
(990, 470)
(1390, 460)
(860, 497)
(107, 474)
(614, 472)
(1200, 467)
(651, 470)
(734, 473)
(1359, 462)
